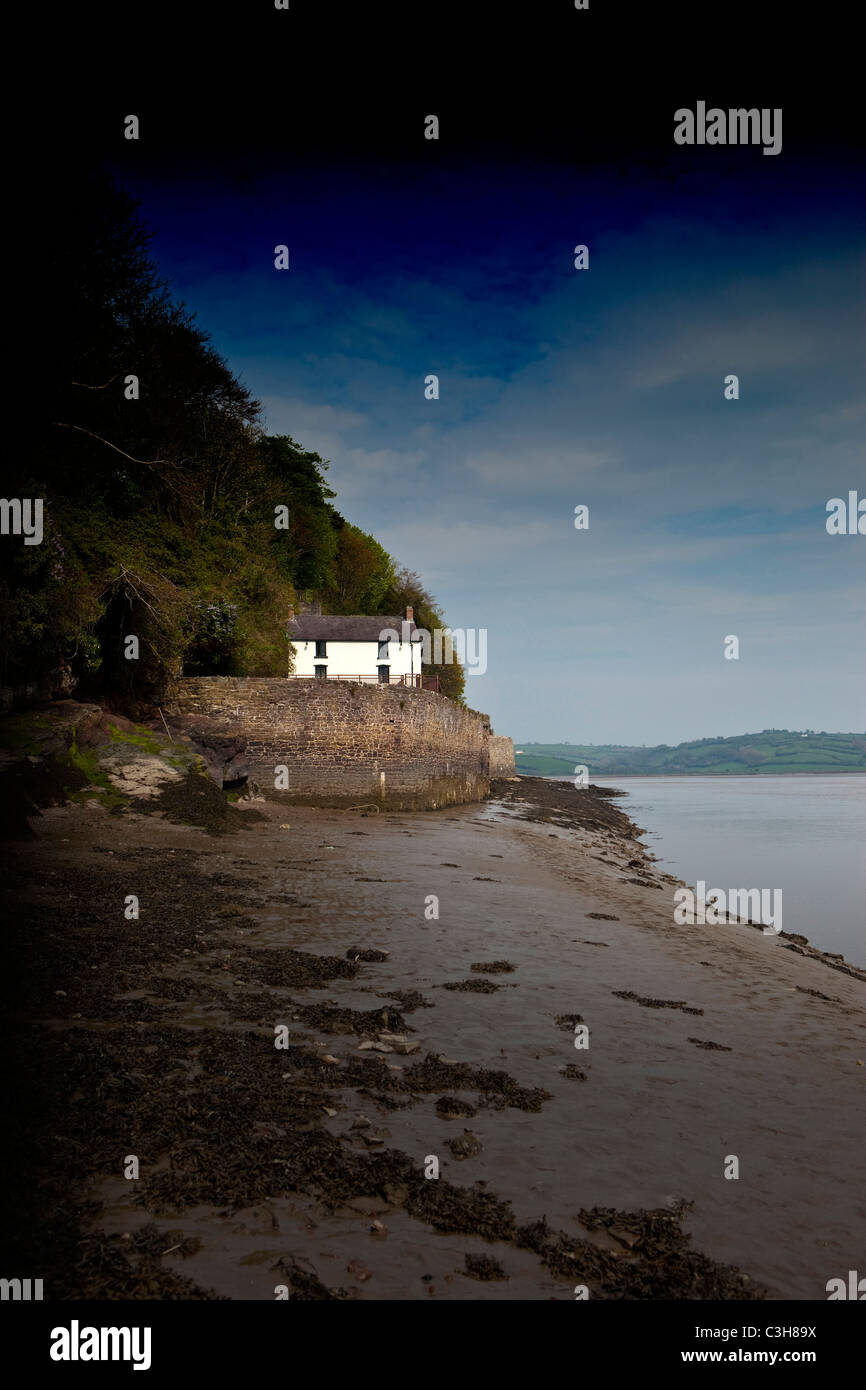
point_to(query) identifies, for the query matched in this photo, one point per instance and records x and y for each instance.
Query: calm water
(805, 835)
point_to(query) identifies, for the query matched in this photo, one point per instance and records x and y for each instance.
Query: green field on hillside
(772, 751)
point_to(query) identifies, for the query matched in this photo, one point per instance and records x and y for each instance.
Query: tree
(408, 589)
(363, 572)
(179, 443)
(308, 549)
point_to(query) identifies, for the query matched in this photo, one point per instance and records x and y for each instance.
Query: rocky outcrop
(72, 751)
(135, 773)
(225, 755)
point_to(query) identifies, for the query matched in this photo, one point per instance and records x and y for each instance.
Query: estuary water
(805, 835)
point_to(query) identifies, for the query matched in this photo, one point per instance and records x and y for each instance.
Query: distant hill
(773, 751)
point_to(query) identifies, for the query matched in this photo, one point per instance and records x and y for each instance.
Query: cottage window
(383, 651)
(384, 675)
(322, 649)
(321, 672)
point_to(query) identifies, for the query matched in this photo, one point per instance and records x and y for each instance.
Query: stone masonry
(344, 744)
(501, 756)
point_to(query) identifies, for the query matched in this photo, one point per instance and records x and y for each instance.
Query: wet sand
(705, 1042)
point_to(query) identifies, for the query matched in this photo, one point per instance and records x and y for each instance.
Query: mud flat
(412, 1038)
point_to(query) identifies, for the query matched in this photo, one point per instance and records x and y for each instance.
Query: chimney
(291, 616)
(410, 614)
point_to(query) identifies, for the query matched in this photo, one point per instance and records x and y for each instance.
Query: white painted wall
(356, 658)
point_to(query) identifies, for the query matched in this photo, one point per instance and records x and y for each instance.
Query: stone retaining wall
(501, 756)
(343, 744)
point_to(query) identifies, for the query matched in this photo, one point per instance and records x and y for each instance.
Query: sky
(560, 387)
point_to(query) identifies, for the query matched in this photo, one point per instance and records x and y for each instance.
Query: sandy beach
(415, 1037)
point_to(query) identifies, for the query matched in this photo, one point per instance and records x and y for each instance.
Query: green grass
(85, 761)
(144, 739)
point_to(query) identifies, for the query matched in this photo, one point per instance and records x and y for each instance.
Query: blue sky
(559, 387)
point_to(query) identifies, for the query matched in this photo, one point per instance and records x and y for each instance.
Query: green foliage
(773, 751)
(407, 589)
(158, 613)
(363, 573)
(294, 477)
(214, 640)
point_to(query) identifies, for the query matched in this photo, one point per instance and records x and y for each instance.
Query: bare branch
(146, 463)
(132, 581)
(85, 385)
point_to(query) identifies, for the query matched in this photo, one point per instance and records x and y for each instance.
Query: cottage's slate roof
(352, 627)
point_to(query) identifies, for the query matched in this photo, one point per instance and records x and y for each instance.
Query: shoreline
(833, 959)
(830, 772)
(412, 1037)
(795, 941)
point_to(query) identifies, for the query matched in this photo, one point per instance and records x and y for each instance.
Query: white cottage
(356, 647)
